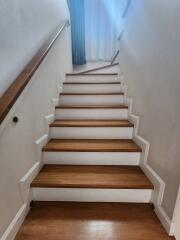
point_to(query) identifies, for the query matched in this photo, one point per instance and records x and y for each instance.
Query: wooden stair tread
(92, 221)
(100, 93)
(91, 123)
(83, 83)
(91, 145)
(83, 106)
(80, 176)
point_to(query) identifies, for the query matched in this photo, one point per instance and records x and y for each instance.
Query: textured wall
(150, 61)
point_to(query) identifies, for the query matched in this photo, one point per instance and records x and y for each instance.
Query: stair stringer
(159, 184)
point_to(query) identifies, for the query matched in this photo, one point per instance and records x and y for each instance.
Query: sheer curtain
(101, 23)
(77, 10)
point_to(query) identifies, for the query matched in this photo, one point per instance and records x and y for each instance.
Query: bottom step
(91, 183)
(87, 221)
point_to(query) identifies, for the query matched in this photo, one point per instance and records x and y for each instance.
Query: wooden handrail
(10, 96)
(114, 57)
(97, 68)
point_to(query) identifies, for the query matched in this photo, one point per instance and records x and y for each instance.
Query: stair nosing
(92, 106)
(85, 94)
(89, 186)
(83, 83)
(54, 124)
(147, 186)
(80, 149)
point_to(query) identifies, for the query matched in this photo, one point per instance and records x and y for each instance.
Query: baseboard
(176, 217)
(16, 223)
(26, 181)
(165, 220)
(59, 89)
(55, 102)
(39, 145)
(159, 184)
(47, 121)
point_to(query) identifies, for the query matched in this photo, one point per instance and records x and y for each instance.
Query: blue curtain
(77, 13)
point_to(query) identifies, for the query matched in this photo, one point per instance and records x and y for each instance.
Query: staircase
(91, 157)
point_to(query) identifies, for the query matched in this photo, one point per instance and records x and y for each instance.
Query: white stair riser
(92, 99)
(91, 113)
(91, 88)
(92, 132)
(92, 158)
(92, 195)
(93, 79)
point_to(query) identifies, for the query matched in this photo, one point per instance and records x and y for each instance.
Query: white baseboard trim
(16, 223)
(39, 145)
(176, 217)
(47, 121)
(165, 220)
(159, 184)
(55, 102)
(26, 181)
(59, 89)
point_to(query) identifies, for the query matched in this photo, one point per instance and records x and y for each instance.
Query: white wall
(24, 25)
(150, 62)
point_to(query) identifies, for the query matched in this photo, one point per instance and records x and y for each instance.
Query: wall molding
(47, 121)
(38, 147)
(55, 102)
(165, 220)
(16, 223)
(176, 217)
(159, 184)
(25, 182)
(59, 89)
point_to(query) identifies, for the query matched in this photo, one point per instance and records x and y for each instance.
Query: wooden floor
(91, 145)
(83, 176)
(91, 221)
